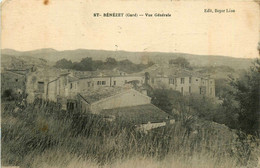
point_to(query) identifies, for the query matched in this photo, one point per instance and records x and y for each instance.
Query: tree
(247, 93)
(86, 64)
(180, 61)
(64, 64)
(111, 61)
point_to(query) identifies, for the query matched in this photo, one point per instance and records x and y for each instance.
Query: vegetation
(87, 64)
(246, 93)
(42, 135)
(238, 107)
(181, 62)
(206, 133)
(10, 95)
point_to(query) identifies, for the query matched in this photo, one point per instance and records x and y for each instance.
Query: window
(197, 80)
(189, 89)
(181, 90)
(71, 86)
(71, 106)
(189, 79)
(98, 82)
(16, 80)
(101, 82)
(210, 91)
(89, 84)
(41, 87)
(171, 81)
(182, 80)
(114, 82)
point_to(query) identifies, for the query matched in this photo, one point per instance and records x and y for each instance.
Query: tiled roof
(172, 71)
(50, 72)
(16, 72)
(92, 96)
(138, 114)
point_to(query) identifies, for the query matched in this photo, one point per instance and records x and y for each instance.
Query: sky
(68, 25)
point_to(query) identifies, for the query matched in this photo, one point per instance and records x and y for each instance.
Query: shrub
(35, 135)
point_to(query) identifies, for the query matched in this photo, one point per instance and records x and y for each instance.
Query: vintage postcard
(127, 83)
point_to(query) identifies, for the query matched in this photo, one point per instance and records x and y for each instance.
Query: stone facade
(62, 87)
(185, 81)
(108, 81)
(13, 80)
(187, 85)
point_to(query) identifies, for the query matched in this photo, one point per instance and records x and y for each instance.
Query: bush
(34, 136)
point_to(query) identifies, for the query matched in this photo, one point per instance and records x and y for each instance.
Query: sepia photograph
(130, 84)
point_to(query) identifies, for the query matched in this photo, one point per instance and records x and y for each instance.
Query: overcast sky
(69, 24)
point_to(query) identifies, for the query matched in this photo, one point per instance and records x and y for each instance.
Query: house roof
(138, 114)
(172, 71)
(49, 72)
(15, 72)
(92, 96)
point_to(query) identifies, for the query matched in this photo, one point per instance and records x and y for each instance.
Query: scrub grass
(42, 135)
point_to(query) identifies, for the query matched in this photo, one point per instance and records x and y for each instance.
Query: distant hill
(136, 57)
(11, 61)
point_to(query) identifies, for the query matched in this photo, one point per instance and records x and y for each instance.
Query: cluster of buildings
(185, 81)
(110, 93)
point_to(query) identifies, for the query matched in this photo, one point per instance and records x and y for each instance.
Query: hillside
(11, 61)
(136, 57)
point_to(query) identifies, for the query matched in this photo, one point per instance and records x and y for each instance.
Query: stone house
(13, 80)
(125, 104)
(62, 86)
(184, 81)
(95, 101)
(108, 80)
(47, 84)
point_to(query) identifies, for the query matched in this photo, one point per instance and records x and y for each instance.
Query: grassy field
(42, 136)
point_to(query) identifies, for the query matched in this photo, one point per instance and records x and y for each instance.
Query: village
(109, 93)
